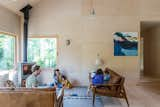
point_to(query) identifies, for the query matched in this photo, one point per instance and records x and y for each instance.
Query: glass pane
(42, 51)
(7, 52)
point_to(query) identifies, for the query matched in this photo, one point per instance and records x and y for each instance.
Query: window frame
(48, 36)
(16, 49)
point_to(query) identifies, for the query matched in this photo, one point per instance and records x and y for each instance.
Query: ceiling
(16, 5)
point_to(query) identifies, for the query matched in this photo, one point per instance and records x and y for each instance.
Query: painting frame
(125, 43)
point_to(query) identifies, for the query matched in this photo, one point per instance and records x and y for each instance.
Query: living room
(82, 33)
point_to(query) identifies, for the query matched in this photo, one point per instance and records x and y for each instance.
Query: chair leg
(125, 96)
(127, 101)
(94, 95)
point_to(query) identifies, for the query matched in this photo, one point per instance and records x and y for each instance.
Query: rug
(77, 97)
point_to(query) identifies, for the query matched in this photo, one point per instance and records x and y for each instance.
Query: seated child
(57, 78)
(106, 75)
(98, 77)
(66, 83)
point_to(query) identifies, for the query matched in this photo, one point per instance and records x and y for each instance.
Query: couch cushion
(115, 79)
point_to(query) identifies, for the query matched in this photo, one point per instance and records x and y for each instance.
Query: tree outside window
(43, 51)
(7, 52)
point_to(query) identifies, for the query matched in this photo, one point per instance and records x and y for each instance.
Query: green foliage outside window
(7, 52)
(43, 51)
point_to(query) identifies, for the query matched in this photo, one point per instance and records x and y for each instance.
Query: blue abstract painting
(125, 44)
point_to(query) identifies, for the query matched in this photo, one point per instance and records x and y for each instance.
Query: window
(7, 51)
(43, 51)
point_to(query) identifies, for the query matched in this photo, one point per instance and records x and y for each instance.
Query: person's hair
(35, 67)
(99, 71)
(64, 77)
(56, 71)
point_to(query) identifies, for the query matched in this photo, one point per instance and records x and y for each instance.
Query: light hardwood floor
(139, 96)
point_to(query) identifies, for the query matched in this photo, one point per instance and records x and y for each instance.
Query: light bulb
(93, 12)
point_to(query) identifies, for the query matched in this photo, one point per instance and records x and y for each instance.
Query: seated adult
(31, 81)
(98, 78)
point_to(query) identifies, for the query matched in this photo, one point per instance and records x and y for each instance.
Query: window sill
(3, 72)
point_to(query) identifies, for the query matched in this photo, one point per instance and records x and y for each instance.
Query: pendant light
(92, 11)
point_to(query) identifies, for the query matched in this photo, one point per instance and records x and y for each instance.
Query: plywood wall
(89, 35)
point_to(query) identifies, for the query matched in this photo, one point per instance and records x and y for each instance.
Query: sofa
(23, 97)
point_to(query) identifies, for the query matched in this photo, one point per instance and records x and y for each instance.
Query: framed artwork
(125, 44)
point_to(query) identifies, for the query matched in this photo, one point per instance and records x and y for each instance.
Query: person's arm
(54, 83)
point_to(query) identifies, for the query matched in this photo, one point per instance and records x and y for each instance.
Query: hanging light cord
(92, 11)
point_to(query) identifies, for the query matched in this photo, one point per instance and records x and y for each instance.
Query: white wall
(9, 21)
(91, 35)
(10, 24)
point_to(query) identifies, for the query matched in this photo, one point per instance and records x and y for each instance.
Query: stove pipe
(25, 11)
